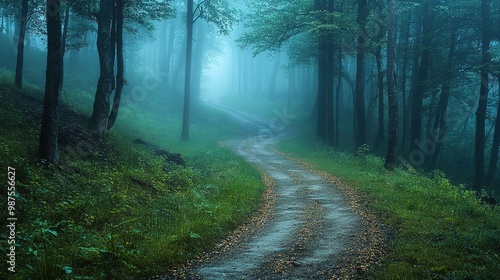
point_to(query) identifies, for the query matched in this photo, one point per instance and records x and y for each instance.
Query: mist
(215, 139)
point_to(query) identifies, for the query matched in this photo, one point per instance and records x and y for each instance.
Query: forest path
(309, 232)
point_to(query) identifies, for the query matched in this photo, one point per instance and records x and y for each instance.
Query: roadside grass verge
(119, 210)
(443, 231)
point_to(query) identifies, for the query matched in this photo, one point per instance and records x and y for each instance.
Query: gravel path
(308, 228)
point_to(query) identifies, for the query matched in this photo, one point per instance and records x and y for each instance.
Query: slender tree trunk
(120, 64)
(292, 87)
(105, 85)
(181, 61)
(403, 79)
(490, 174)
(380, 86)
(18, 81)
(170, 49)
(330, 124)
(483, 97)
(187, 77)
(64, 38)
(392, 145)
(162, 49)
(337, 97)
(423, 72)
(198, 60)
(48, 148)
(324, 101)
(274, 77)
(439, 128)
(7, 25)
(360, 75)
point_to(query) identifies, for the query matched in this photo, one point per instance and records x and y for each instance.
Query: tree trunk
(380, 86)
(420, 87)
(483, 96)
(187, 77)
(403, 79)
(490, 175)
(439, 128)
(170, 50)
(105, 85)
(201, 37)
(18, 81)
(392, 145)
(64, 38)
(337, 97)
(274, 77)
(324, 101)
(48, 149)
(360, 75)
(120, 71)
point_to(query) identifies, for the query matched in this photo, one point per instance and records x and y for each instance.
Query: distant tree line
(435, 62)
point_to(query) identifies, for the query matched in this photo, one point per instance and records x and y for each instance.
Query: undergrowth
(118, 211)
(443, 231)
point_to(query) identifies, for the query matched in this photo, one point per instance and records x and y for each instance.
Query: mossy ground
(118, 210)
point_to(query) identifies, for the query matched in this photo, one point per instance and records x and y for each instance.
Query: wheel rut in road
(310, 225)
(312, 232)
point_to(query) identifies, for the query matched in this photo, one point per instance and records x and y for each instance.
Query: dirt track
(313, 229)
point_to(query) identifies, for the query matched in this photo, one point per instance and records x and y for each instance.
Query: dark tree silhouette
(48, 149)
(483, 95)
(392, 146)
(120, 67)
(360, 74)
(187, 77)
(325, 124)
(422, 73)
(106, 83)
(18, 80)
(490, 174)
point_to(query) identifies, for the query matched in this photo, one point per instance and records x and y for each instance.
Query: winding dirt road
(312, 229)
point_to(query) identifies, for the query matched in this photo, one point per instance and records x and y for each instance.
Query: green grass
(444, 232)
(120, 210)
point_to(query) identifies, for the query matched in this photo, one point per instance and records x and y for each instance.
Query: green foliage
(219, 12)
(277, 23)
(443, 231)
(119, 211)
(273, 23)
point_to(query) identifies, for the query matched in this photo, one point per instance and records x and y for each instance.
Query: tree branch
(198, 6)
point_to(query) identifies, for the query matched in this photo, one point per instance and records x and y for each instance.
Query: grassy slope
(444, 232)
(119, 210)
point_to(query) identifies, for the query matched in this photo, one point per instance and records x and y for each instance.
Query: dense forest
(122, 127)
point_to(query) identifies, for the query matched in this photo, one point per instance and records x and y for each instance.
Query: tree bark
(325, 123)
(392, 144)
(170, 51)
(380, 87)
(404, 77)
(120, 64)
(439, 127)
(490, 174)
(64, 38)
(187, 77)
(423, 72)
(483, 97)
(337, 96)
(48, 148)
(18, 80)
(201, 36)
(105, 85)
(274, 77)
(360, 74)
